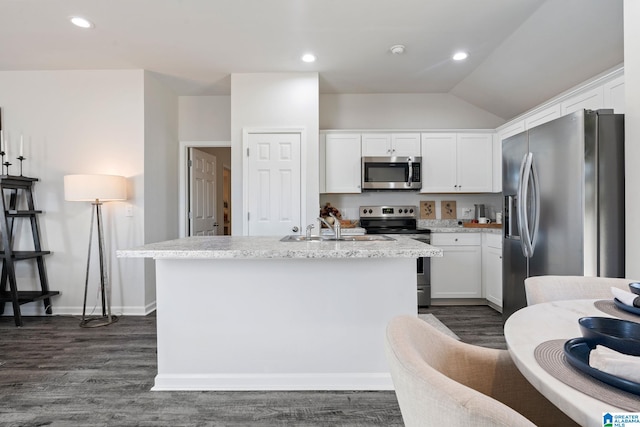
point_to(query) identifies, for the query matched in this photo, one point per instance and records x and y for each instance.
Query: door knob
(295, 229)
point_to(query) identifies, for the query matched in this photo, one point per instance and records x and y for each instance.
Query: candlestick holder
(21, 158)
(6, 166)
(2, 153)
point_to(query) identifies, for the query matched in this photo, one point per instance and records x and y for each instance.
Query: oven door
(391, 173)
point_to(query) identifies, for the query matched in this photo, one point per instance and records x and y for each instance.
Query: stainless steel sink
(300, 238)
(357, 238)
(364, 238)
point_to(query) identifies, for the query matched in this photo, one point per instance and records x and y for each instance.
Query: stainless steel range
(401, 220)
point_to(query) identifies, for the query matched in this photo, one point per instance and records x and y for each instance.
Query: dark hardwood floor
(53, 373)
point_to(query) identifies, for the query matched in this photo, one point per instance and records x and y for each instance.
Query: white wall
(205, 118)
(402, 111)
(79, 122)
(275, 100)
(160, 173)
(632, 134)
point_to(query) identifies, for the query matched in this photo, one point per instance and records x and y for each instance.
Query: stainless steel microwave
(391, 173)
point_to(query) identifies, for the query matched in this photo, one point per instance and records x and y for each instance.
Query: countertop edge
(271, 248)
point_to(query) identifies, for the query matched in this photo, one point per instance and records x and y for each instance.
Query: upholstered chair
(440, 381)
(556, 288)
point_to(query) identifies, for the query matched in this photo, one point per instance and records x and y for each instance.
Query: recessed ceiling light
(309, 57)
(397, 49)
(81, 22)
(459, 56)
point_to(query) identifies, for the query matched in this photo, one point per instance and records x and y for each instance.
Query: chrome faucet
(309, 228)
(337, 232)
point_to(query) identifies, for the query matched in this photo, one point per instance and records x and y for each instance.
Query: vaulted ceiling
(521, 52)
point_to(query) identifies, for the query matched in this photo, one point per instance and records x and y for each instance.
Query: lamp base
(96, 322)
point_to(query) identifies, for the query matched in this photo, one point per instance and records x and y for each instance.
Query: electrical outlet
(128, 210)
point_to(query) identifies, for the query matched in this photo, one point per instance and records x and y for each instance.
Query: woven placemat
(609, 307)
(550, 356)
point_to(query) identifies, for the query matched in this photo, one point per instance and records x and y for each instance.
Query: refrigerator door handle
(530, 235)
(521, 206)
(536, 208)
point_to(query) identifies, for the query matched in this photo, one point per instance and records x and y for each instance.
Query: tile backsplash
(349, 204)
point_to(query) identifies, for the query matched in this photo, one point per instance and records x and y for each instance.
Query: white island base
(278, 324)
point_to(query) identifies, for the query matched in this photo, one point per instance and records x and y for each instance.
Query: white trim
(183, 207)
(245, 169)
(282, 382)
(37, 309)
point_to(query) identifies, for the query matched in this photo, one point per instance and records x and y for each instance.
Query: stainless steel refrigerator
(563, 188)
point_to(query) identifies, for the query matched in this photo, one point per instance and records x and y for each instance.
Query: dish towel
(615, 363)
(625, 297)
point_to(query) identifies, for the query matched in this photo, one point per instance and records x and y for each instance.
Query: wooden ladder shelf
(13, 187)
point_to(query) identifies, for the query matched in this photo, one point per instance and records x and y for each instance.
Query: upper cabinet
(614, 95)
(542, 116)
(592, 99)
(457, 163)
(342, 159)
(390, 144)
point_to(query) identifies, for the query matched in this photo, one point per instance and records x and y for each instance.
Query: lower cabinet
(492, 268)
(458, 274)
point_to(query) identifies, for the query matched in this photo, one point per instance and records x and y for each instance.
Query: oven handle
(410, 173)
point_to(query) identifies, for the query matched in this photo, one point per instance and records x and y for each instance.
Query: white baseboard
(37, 309)
(281, 382)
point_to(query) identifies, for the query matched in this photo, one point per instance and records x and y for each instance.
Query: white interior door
(202, 194)
(274, 190)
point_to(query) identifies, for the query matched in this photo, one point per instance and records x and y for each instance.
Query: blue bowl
(635, 287)
(617, 334)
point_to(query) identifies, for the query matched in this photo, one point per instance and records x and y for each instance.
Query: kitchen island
(255, 313)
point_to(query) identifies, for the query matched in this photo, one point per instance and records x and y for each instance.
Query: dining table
(535, 337)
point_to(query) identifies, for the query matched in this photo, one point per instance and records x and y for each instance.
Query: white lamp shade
(89, 188)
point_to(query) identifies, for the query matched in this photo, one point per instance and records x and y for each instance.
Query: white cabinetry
(342, 160)
(492, 268)
(592, 99)
(458, 273)
(614, 95)
(391, 144)
(542, 116)
(457, 162)
(439, 163)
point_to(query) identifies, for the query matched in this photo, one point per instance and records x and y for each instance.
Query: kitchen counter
(255, 313)
(461, 229)
(245, 247)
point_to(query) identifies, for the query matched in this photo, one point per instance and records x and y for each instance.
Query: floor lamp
(96, 189)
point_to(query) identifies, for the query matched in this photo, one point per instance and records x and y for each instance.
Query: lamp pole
(106, 318)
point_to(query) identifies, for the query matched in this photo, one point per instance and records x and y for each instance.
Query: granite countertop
(461, 229)
(245, 247)
(452, 226)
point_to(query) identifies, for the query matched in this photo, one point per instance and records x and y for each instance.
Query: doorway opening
(205, 203)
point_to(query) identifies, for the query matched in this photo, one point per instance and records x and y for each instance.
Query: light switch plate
(448, 209)
(428, 209)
